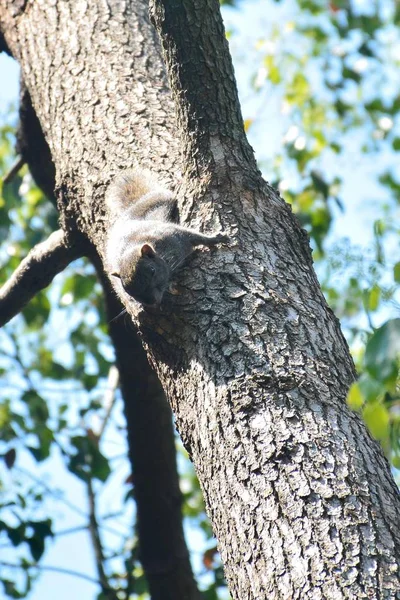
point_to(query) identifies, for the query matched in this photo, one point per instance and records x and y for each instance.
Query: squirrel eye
(152, 269)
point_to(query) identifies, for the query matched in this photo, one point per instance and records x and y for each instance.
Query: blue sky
(9, 74)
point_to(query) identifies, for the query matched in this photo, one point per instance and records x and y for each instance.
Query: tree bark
(255, 366)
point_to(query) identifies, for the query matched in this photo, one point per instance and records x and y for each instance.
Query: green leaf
(140, 584)
(355, 398)
(16, 535)
(58, 371)
(5, 415)
(210, 593)
(396, 272)
(37, 406)
(45, 438)
(36, 546)
(374, 298)
(41, 528)
(247, 124)
(11, 590)
(10, 192)
(100, 467)
(81, 286)
(37, 311)
(89, 381)
(396, 462)
(320, 184)
(379, 227)
(88, 461)
(299, 89)
(273, 70)
(9, 458)
(350, 74)
(370, 389)
(377, 419)
(383, 351)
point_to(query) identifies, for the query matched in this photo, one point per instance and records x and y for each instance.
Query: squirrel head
(144, 275)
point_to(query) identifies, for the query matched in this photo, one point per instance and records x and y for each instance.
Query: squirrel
(144, 245)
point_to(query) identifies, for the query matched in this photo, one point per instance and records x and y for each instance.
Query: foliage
(376, 393)
(333, 70)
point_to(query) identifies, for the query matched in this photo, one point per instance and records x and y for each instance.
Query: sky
(9, 74)
(359, 174)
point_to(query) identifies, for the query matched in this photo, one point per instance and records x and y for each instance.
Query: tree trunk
(255, 366)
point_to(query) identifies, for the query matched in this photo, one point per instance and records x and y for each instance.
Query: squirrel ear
(147, 250)
(116, 275)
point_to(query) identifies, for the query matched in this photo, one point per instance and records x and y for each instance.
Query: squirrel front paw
(173, 289)
(222, 238)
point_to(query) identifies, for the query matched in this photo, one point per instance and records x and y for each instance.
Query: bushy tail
(129, 186)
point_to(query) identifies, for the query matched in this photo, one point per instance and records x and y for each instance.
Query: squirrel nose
(155, 300)
(157, 297)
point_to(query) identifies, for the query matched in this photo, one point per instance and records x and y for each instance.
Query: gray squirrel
(144, 245)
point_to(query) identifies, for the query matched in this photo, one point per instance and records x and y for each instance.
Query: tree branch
(36, 272)
(60, 570)
(17, 166)
(108, 591)
(57, 494)
(109, 397)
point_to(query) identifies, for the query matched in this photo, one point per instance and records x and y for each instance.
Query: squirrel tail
(131, 185)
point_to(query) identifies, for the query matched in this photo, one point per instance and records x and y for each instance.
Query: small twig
(55, 493)
(51, 568)
(71, 530)
(62, 387)
(97, 545)
(109, 397)
(35, 273)
(18, 359)
(121, 456)
(369, 319)
(17, 166)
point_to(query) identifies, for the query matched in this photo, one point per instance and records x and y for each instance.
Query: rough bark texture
(256, 368)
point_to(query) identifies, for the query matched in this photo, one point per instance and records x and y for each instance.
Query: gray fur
(144, 245)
